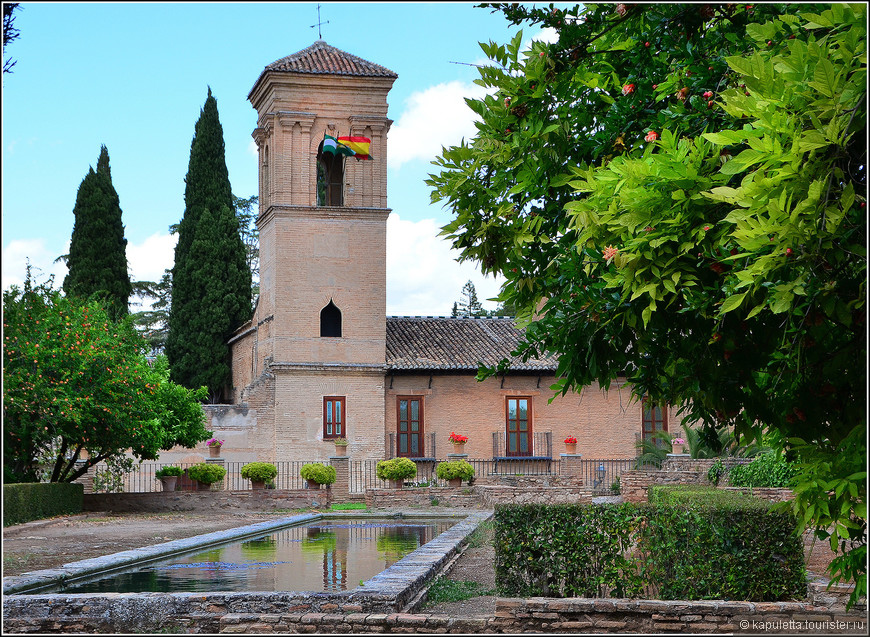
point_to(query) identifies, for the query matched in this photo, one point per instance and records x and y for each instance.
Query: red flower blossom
(628, 89)
(651, 136)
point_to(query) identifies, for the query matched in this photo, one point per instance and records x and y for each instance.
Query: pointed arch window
(330, 321)
(330, 178)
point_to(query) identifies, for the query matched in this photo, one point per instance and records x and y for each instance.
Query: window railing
(429, 447)
(541, 446)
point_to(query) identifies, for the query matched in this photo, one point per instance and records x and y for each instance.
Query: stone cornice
(359, 369)
(323, 212)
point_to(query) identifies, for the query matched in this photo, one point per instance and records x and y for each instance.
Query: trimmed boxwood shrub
(28, 501)
(687, 543)
(168, 472)
(320, 473)
(259, 471)
(454, 469)
(396, 469)
(206, 473)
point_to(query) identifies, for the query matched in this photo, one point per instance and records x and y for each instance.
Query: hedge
(566, 550)
(686, 544)
(704, 543)
(28, 501)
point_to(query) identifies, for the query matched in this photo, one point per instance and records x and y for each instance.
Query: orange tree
(675, 193)
(74, 381)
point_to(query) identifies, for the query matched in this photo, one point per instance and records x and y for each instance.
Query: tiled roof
(321, 58)
(439, 343)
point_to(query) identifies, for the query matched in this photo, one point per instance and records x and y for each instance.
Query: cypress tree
(97, 259)
(211, 281)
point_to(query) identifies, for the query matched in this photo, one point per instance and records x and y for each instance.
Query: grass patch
(349, 506)
(448, 590)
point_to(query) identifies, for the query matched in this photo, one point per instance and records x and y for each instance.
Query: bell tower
(320, 323)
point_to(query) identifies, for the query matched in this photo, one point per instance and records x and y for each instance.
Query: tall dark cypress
(97, 259)
(211, 281)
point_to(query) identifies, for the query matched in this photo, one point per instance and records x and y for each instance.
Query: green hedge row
(37, 500)
(704, 543)
(685, 544)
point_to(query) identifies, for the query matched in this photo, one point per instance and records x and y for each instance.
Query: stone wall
(634, 485)
(477, 496)
(253, 500)
(324, 613)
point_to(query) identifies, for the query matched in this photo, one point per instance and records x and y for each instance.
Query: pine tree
(468, 305)
(211, 281)
(97, 259)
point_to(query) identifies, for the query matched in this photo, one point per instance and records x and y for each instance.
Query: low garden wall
(477, 497)
(635, 484)
(322, 613)
(204, 501)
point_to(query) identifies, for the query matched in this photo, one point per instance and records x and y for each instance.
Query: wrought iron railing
(430, 449)
(142, 479)
(599, 475)
(541, 446)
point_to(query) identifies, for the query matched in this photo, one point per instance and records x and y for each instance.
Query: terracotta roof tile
(321, 58)
(439, 343)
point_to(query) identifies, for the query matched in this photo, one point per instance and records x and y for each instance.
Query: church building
(320, 359)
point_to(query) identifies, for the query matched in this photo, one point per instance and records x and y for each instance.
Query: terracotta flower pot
(458, 447)
(203, 486)
(677, 449)
(256, 485)
(454, 482)
(312, 484)
(397, 484)
(214, 451)
(169, 483)
(340, 450)
(570, 447)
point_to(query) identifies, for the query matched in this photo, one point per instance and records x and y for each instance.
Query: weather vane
(319, 37)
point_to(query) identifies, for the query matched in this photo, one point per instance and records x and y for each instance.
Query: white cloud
(148, 260)
(16, 256)
(435, 117)
(423, 276)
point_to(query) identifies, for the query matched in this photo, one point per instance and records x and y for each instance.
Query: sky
(134, 76)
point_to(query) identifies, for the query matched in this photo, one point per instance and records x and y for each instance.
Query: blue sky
(134, 76)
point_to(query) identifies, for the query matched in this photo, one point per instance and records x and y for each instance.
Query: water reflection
(322, 556)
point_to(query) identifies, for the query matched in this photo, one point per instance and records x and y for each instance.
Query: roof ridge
(323, 58)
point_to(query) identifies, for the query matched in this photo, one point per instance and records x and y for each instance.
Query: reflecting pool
(327, 556)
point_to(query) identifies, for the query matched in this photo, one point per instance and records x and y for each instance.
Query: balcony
(515, 455)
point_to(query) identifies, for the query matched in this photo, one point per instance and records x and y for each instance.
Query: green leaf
(732, 303)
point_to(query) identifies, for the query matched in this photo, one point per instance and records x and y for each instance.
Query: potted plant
(571, 445)
(168, 476)
(396, 471)
(340, 446)
(458, 441)
(259, 473)
(206, 474)
(455, 471)
(316, 474)
(677, 445)
(214, 447)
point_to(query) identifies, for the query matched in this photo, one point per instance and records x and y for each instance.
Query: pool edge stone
(390, 591)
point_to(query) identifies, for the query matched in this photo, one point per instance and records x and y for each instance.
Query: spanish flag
(359, 145)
